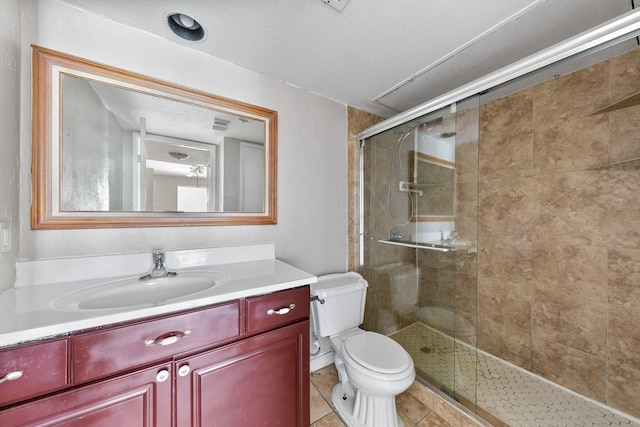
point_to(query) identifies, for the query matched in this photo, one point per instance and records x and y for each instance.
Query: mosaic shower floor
(512, 395)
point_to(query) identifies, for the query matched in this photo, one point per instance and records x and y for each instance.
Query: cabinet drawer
(44, 367)
(280, 308)
(98, 354)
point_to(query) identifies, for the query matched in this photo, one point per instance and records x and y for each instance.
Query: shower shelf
(632, 163)
(417, 245)
(629, 101)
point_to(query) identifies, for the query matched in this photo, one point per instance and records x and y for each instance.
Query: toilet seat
(377, 353)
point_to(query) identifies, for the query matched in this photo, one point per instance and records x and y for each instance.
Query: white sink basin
(132, 292)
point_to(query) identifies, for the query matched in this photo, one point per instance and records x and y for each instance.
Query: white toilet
(373, 368)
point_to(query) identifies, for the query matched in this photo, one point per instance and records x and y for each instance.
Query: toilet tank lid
(338, 283)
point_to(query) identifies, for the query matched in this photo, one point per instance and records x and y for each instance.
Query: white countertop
(26, 313)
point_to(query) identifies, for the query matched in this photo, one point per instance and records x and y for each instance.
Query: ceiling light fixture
(178, 155)
(185, 26)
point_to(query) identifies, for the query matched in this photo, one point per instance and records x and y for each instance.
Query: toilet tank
(344, 295)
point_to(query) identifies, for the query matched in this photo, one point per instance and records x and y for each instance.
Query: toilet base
(370, 411)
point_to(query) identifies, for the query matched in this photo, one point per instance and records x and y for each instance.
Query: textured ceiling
(378, 55)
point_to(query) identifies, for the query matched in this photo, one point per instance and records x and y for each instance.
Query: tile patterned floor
(512, 395)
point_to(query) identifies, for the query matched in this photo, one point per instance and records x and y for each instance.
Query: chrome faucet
(159, 269)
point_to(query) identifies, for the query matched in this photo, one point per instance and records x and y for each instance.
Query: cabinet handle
(281, 311)
(162, 376)
(11, 376)
(184, 370)
(168, 339)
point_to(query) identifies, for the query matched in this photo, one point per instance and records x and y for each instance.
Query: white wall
(312, 174)
(10, 136)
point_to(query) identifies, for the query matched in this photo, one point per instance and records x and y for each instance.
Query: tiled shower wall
(358, 121)
(559, 232)
(558, 254)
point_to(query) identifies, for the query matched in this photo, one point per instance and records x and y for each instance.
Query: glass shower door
(420, 199)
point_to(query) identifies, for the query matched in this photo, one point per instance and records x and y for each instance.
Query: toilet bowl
(372, 368)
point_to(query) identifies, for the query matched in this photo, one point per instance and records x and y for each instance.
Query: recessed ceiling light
(185, 26)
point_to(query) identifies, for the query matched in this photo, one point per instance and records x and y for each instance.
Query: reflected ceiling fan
(196, 170)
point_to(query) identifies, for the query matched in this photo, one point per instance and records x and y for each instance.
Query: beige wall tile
(506, 137)
(505, 260)
(505, 304)
(508, 343)
(625, 134)
(625, 75)
(604, 207)
(571, 96)
(571, 368)
(546, 187)
(547, 229)
(624, 389)
(624, 277)
(569, 320)
(571, 271)
(357, 121)
(624, 335)
(571, 145)
(504, 210)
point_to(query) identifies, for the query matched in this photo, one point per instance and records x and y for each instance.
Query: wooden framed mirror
(112, 148)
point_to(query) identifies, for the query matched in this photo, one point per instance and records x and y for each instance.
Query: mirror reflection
(124, 150)
(115, 149)
(436, 179)
(433, 169)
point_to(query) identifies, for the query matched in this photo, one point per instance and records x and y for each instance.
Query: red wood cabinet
(137, 399)
(260, 381)
(101, 353)
(33, 370)
(241, 363)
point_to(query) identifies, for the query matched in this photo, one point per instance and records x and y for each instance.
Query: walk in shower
(420, 241)
(499, 240)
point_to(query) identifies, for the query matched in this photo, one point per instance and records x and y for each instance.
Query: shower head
(404, 135)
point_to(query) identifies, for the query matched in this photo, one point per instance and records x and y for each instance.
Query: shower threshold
(503, 391)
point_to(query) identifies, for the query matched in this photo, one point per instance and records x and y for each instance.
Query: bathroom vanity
(230, 358)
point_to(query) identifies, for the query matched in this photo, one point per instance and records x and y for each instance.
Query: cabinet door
(139, 399)
(261, 381)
